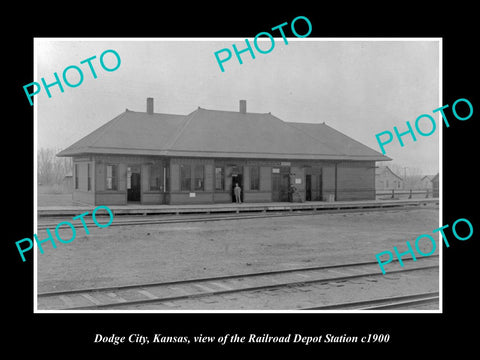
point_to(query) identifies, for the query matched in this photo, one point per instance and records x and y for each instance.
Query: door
(237, 178)
(280, 185)
(133, 184)
(313, 186)
(308, 187)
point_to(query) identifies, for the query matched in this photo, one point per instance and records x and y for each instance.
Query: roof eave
(217, 154)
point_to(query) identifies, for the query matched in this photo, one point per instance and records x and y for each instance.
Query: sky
(358, 87)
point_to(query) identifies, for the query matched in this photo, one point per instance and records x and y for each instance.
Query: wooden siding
(266, 179)
(298, 173)
(349, 180)
(84, 197)
(257, 196)
(355, 181)
(82, 194)
(174, 177)
(119, 196)
(110, 198)
(153, 197)
(246, 179)
(328, 182)
(222, 197)
(209, 176)
(182, 198)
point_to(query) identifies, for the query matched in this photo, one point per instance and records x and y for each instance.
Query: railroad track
(167, 293)
(164, 219)
(395, 302)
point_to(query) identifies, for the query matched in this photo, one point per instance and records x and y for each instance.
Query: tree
(50, 168)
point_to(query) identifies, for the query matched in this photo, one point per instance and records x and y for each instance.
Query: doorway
(308, 187)
(313, 187)
(133, 183)
(280, 185)
(237, 178)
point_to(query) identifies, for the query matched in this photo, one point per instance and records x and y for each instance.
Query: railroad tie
(220, 285)
(180, 290)
(67, 301)
(91, 299)
(147, 294)
(116, 297)
(339, 272)
(203, 287)
(303, 275)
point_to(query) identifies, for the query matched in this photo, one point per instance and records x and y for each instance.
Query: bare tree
(50, 168)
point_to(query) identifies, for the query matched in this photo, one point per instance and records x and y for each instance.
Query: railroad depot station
(154, 158)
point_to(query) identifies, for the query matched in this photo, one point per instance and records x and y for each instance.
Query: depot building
(155, 158)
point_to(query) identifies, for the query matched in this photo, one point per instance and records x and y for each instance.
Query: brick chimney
(243, 106)
(150, 106)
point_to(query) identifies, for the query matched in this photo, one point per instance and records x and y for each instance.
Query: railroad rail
(258, 214)
(119, 297)
(395, 302)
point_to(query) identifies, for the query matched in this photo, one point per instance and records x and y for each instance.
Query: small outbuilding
(386, 179)
(426, 182)
(435, 186)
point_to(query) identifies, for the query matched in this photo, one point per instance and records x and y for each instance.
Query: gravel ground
(150, 253)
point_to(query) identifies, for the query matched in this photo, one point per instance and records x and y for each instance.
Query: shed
(386, 179)
(426, 182)
(435, 186)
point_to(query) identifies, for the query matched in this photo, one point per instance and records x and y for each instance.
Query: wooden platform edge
(233, 208)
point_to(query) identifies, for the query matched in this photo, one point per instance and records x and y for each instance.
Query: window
(111, 177)
(185, 177)
(129, 178)
(89, 178)
(219, 178)
(254, 178)
(386, 181)
(156, 178)
(76, 176)
(199, 177)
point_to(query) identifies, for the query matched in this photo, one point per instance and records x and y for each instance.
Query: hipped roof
(214, 133)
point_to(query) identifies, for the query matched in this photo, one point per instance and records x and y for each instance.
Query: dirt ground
(149, 253)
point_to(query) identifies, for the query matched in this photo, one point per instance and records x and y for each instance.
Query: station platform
(139, 209)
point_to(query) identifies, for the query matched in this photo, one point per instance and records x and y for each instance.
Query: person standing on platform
(237, 191)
